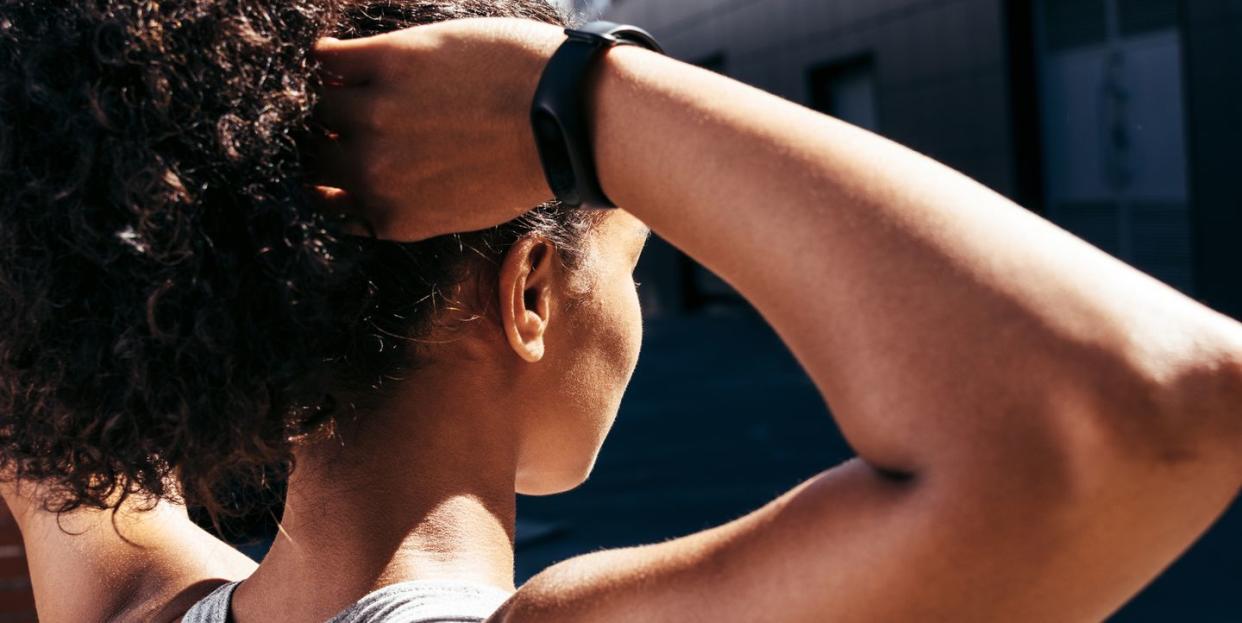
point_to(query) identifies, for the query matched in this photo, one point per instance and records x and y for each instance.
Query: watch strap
(559, 118)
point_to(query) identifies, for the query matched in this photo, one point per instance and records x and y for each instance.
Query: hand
(432, 125)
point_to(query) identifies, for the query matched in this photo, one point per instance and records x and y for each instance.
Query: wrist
(561, 119)
(540, 43)
(607, 101)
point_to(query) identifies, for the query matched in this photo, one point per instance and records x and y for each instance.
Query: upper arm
(853, 544)
(1052, 479)
(93, 565)
(1064, 522)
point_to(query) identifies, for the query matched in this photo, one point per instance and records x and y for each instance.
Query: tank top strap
(420, 601)
(425, 601)
(214, 608)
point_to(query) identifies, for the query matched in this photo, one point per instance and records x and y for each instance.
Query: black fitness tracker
(561, 124)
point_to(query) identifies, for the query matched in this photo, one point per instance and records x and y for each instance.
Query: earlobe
(526, 281)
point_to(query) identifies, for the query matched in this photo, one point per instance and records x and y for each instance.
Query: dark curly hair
(174, 313)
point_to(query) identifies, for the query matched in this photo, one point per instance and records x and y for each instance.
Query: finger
(344, 110)
(347, 62)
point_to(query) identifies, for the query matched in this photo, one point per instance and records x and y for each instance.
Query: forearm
(935, 315)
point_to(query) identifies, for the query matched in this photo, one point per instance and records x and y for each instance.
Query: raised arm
(92, 565)
(1041, 428)
(1063, 425)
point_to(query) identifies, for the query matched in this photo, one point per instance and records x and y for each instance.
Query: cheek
(625, 322)
(608, 352)
(559, 451)
(634, 323)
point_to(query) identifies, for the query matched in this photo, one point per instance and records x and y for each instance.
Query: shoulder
(205, 601)
(795, 558)
(152, 566)
(700, 576)
(198, 571)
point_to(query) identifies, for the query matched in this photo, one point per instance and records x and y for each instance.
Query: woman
(1040, 428)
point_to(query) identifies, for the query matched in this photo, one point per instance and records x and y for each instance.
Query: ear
(526, 283)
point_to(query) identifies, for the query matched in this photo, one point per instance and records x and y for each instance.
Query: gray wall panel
(940, 64)
(1213, 75)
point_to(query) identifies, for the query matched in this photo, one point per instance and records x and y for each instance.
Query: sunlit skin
(518, 400)
(518, 386)
(1040, 428)
(584, 364)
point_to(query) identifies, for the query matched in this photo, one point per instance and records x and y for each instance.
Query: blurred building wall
(929, 74)
(1213, 50)
(938, 69)
(1109, 117)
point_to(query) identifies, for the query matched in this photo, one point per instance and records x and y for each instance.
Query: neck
(419, 493)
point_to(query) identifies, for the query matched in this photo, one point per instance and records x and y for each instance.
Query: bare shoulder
(739, 571)
(180, 577)
(135, 565)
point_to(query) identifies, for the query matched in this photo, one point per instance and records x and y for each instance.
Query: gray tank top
(421, 601)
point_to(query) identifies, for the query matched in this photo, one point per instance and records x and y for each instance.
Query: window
(1074, 23)
(846, 90)
(1112, 125)
(1143, 16)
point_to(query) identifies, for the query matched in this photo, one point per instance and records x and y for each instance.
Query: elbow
(1163, 415)
(1233, 425)
(1203, 411)
(1180, 413)
(1206, 403)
